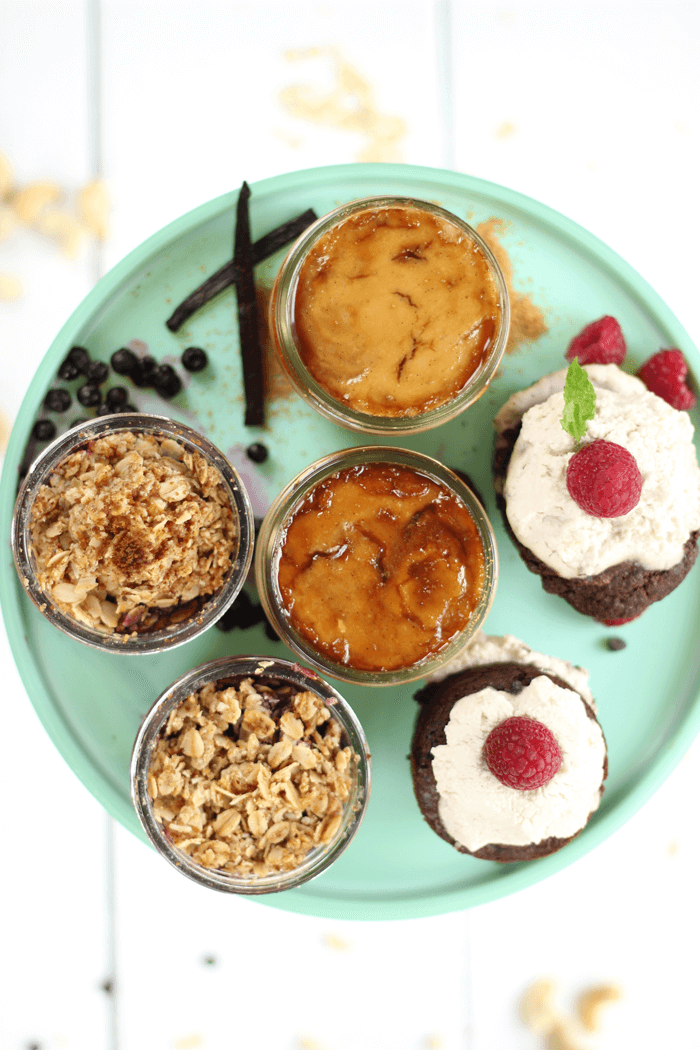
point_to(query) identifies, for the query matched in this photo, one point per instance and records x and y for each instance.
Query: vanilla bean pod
(226, 275)
(251, 354)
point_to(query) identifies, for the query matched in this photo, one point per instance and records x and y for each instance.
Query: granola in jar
(249, 776)
(132, 533)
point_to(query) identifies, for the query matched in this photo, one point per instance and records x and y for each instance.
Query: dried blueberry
(270, 632)
(144, 371)
(96, 372)
(104, 409)
(44, 430)
(68, 370)
(89, 395)
(57, 401)
(257, 452)
(194, 359)
(116, 396)
(124, 361)
(247, 613)
(226, 622)
(166, 381)
(80, 358)
(243, 614)
(616, 644)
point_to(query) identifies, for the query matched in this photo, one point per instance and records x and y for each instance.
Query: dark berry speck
(104, 409)
(243, 614)
(89, 395)
(116, 396)
(271, 633)
(57, 401)
(144, 371)
(44, 430)
(80, 358)
(97, 372)
(124, 361)
(194, 359)
(257, 452)
(79, 422)
(68, 370)
(166, 381)
(615, 644)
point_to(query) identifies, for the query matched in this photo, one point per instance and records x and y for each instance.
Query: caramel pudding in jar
(381, 565)
(390, 314)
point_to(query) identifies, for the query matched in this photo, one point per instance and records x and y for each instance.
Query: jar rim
(231, 667)
(271, 534)
(71, 441)
(283, 329)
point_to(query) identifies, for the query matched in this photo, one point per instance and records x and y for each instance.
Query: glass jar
(404, 357)
(173, 626)
(274, 533)
(259, 670)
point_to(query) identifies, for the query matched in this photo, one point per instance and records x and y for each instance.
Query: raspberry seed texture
(522, 753)
(599, 343)
(604, 480)
(664, 374)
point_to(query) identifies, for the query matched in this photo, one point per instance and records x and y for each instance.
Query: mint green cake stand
(91, 704)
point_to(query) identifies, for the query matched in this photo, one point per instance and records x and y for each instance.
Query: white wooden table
(592, 109)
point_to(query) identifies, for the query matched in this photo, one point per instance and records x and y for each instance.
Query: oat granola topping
(249, 777)
(132, 532)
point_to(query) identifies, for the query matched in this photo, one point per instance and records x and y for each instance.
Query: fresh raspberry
(664, 374)
(604, 480)
(522, 753)
(600, 343)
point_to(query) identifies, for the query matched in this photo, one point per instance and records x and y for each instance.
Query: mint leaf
(579, 401)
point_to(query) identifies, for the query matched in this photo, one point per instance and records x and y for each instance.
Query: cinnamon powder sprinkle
(527, 321)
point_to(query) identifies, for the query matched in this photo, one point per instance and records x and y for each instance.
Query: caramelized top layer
(380, 567)
(395, 310)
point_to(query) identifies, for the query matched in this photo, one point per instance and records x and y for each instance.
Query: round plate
(92, 704)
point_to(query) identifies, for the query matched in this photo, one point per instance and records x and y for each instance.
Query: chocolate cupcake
(508, 758)
(610, 568)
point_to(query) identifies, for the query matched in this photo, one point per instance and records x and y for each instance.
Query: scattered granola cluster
(132, 532)
(249, 777)
(542, 1014)
(41, 206)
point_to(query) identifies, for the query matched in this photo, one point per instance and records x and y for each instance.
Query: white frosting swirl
(546, 519)
(477, 809)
